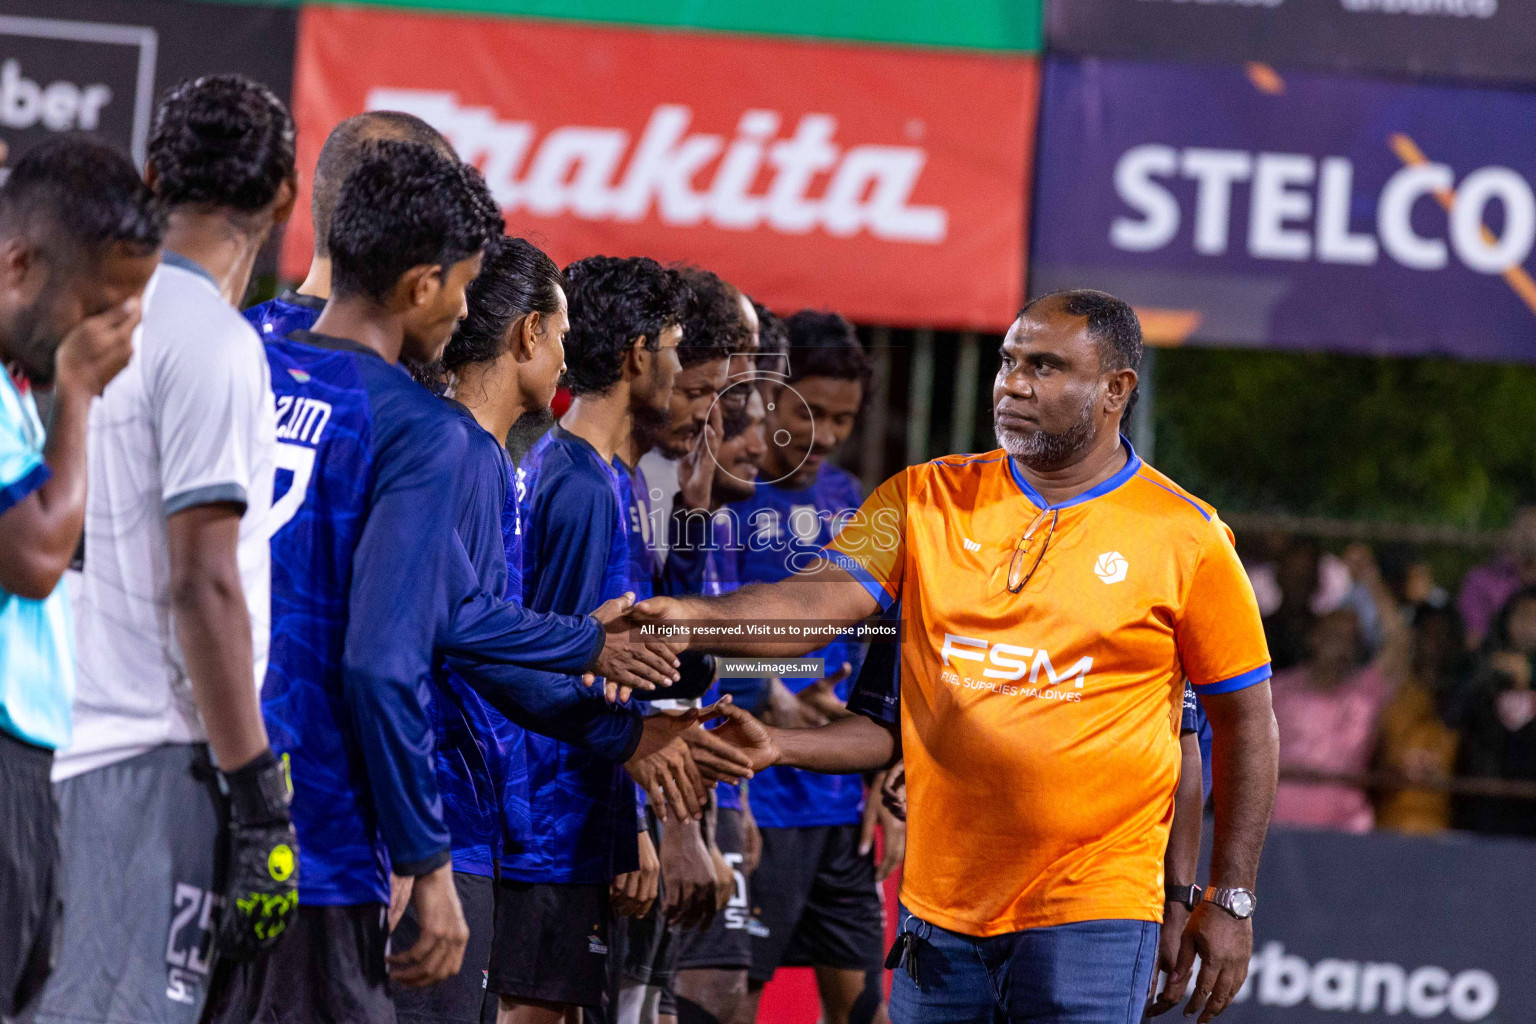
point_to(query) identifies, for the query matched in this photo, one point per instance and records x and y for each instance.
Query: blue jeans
(1090, 972)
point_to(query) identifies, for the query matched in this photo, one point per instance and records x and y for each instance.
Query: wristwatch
(1187, 896)
(1239, 903)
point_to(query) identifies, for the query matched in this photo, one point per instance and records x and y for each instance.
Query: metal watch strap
(1223, 898)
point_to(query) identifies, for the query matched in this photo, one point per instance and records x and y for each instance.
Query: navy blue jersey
(1194, 720)
(479, 751)
(369, 581)
(516, 815)
(720, 576)
(277, 318)
(783, 531)
(575, 557)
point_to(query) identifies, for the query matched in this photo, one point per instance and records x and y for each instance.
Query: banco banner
(1381, 927)
(887, 184)
(98, 66)
(1244, 207)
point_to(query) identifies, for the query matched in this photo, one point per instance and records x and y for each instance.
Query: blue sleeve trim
(1240, 682)
(30, 481)
(853, 568)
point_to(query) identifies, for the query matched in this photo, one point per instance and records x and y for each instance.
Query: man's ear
(637, 359)
(287, 198)
(1121, 385)
(18, 259)
(525, 338)
(420, 285)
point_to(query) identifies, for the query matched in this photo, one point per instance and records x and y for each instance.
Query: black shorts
(551, 942)
(727, 943)
(328, 967)
(459, 999)
(30, 902)
(815, 902)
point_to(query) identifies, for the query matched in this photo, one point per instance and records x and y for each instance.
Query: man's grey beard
(1044, 451)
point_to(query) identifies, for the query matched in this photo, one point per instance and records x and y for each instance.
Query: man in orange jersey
(1055, 595)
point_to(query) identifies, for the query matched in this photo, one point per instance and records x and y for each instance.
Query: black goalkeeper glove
(263, 892)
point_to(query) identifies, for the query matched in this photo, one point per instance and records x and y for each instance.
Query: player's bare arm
(848, 745)
(1179, 869)
(823, 593)
(1245, 756)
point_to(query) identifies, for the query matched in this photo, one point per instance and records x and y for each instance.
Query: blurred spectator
(1499, 736)
(1287, 627)
(1417, 735)
(1487, 587)
(1328, 707)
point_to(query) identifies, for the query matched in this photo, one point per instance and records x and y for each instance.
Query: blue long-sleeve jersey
(370, 582)
(277, 318)
(575, 557)
(783, 530)
(1194, 720)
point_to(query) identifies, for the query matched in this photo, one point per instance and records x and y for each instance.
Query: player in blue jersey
(621, 356)
(814, 894)
(297, 309)
(1182, 860)
(371, 585)
(712, 964)
(505, 358)
(695, 878)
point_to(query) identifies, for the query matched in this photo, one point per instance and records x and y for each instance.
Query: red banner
(889, 185)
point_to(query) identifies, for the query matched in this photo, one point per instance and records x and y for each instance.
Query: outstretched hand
(630, 660)
(745, 734)
(1225, 945)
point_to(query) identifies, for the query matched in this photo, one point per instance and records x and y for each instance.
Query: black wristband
(259, 792)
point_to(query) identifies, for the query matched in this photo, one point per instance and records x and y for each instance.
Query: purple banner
(1242, 207)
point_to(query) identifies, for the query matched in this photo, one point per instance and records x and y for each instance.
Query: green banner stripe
(1004, 25)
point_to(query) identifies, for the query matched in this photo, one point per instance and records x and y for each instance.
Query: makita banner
(98, 66)
(1381, 927)
(889, 185)
(1245, 207)
(1483, 40)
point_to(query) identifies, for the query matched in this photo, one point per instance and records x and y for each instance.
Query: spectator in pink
(1328, 708)
(1487, 587)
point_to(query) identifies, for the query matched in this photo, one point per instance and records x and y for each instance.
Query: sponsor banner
(1384, 927)
(1013, 25)
(889, 185)
(98, 66)
(1485, 40)
(1299, 211)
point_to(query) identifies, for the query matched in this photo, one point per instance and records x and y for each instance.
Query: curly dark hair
(516, 279)
(823, 344)
(344, 148)
(772, 340)
(612, 302)
(405, 205)
(76, 197)
(713, 327)
(221, 140)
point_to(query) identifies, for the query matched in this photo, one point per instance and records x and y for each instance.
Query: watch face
(1242, 904)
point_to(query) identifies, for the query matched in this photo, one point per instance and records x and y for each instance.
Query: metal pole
(962, 415)
(920, 396)
(872, 444)
(1142, 428)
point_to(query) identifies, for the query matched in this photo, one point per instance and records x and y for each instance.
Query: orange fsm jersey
(1040, 729)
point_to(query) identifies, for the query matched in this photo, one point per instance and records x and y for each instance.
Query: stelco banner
(889, 185)
(1487, 40)
(98, 66)
(1298, 211)
(1362, 928)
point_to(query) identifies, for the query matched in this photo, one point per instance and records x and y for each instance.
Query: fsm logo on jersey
(888, 184)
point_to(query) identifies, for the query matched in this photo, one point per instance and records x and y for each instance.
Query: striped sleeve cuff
(853, 568)
(1252, 677)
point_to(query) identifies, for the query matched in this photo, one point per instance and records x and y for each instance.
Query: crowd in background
(1403, 704)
